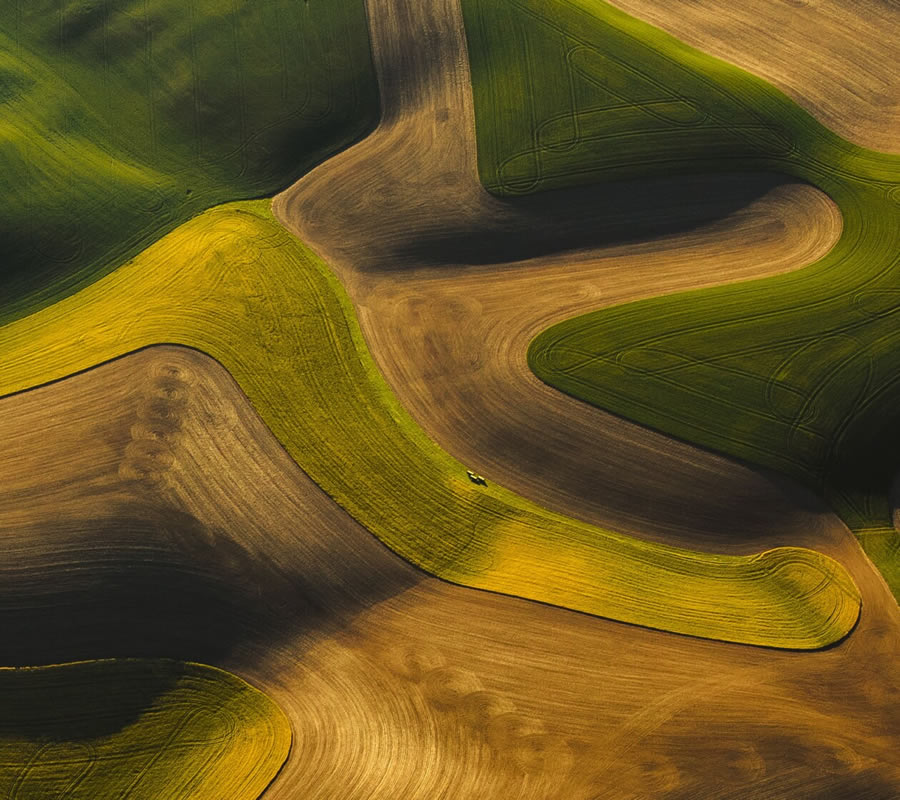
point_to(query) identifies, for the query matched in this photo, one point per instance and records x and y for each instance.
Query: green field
(799, 373)
(136, 729)
(121, 120)
(234, 284)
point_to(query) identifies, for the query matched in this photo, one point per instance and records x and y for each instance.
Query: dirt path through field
(147, 510)
(836, 58)
(451, 283)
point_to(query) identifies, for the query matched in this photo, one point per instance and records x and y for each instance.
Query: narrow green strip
(236, 285)
(800, 372)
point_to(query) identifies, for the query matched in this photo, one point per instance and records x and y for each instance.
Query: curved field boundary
(837, 58)
(466, 694)
(120, 121)
(236, 285)
(451, 283)
(232, 556)
(136, 729)
(797, 372)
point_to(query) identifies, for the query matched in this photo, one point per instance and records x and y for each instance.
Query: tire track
(397, 684)
(402, 215)
(836, 59)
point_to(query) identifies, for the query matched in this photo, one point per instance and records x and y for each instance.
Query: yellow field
(234, 284)
(136, 729)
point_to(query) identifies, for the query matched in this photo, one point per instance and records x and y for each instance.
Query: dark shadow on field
(155, 582)
(81, 701)
(754, 763)
(861, 478)
(602, 215)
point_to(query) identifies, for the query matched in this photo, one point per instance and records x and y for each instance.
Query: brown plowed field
(836, 58)
(451, 283)
(147, 510)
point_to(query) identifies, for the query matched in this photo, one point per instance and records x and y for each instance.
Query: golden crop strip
(237, 286)
(120, 121)
(156, 729)
(796, 372)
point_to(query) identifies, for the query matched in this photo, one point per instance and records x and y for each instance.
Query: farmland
(138, 729)
(416, 498)
(122, 120)
(834, 59)
(409, 230)
(230, 554)
(813, 399)
(246, 439)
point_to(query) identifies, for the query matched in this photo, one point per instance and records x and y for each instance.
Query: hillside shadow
(81, 701)
(159, 583)
(568, 220)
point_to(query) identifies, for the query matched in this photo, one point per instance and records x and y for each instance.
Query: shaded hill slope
(121, 120)
(236, 285)
(459, 691)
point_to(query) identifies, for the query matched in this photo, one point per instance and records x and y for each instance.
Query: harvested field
(397, 684)
(424, 253)
(836, 58)
(289, 337)
(796, 373)
(121, 120)
(101, 730)
(149, 508)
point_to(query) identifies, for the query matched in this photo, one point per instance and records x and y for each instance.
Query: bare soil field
(451, 283)
(147, 510)
(837, 58)
(184, 529)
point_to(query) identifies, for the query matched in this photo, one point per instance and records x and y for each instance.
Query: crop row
(119, 121)
(799, 372)
(136, 729)
(237, 286)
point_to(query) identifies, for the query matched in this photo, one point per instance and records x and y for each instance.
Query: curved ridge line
(254, 272)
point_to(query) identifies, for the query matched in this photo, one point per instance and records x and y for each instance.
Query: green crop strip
(235, 284)
(799, 373)
(142, 730)
(121, 120)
